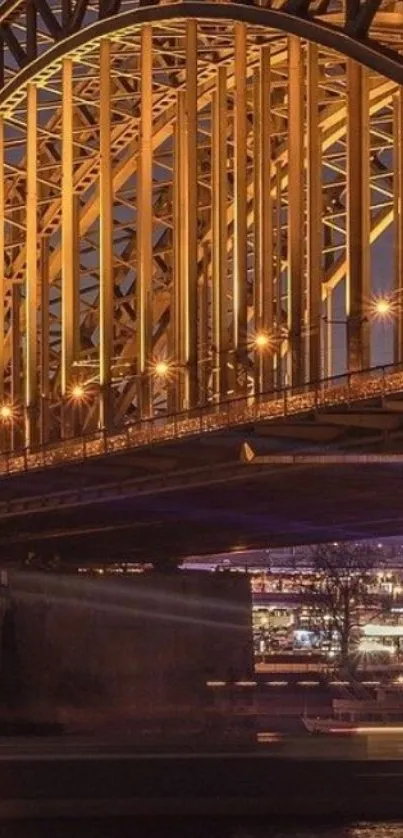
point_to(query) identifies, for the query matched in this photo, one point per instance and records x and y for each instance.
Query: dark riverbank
(53, 785)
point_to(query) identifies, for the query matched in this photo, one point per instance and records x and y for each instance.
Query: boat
(352, 715)
(329, 725)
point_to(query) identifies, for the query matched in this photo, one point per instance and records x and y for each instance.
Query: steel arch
(239, 367)
(45, 24)
(366, 51)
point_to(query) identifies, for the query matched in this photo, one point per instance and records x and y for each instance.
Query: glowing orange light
(6, 412)
(262, 340)
(381, 729)
(383, 307)
(78, 392)
(161, 369)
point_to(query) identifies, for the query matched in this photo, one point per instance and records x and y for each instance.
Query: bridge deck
(344, 390)
(182, 487)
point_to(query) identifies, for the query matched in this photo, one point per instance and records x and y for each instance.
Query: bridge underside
(200, 217)
(198, 496)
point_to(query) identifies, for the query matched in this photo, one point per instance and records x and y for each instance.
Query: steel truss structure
(184, 189)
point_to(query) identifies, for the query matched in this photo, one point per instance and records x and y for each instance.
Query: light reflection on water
(362, 830)
(200, 829)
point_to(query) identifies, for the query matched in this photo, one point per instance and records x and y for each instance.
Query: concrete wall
(93, 651)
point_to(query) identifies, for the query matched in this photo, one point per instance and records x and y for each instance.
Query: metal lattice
(183, 190)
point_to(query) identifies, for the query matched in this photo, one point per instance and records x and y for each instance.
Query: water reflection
(225, 828)
(363, 830)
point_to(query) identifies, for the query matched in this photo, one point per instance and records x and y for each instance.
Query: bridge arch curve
(364, 50)
(184, 186)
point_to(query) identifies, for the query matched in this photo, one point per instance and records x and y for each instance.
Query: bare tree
(346, 573)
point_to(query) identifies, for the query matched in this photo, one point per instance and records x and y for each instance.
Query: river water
(191, 829)
(369, 830)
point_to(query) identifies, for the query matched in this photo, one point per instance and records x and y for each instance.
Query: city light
(383, 307)
(374, 630)
(262, 340)
(381, 729)
(161, 369)
(77, 392)
(367, 646)
(6, 412)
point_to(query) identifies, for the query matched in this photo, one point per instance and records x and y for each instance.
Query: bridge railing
(240, 410)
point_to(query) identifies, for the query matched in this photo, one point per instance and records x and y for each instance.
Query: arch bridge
(200, 211)
(201, 236)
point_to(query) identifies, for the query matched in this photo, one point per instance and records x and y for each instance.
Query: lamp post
(381, 308)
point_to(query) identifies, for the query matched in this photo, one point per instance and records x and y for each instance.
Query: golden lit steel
(176, 231)
(31, 298)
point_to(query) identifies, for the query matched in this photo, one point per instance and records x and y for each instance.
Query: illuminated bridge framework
(195, 202)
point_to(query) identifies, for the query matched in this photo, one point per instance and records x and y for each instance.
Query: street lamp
(6, 413)
(77, 392)
(7, 416)
(262, 341)
(161, 369)
(383, 307)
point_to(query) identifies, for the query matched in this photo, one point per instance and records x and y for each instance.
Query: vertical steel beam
(69, 242)
(262, 217)
(328, 362)
(180, 286)
(5, 440)
(314, 213)
(2, 260)
(31, 30)
(106, 280)
(358, 217)
(278, 300)
(203, 335)
(45, 335)
(296, 219)
(176, 342)
(191, 212)
(15, 357)
(185, 165)
(66, 13)
(398, 222)
(239, 292)
(1, 61)
(220, 234)
(31, 293)
(145, 224)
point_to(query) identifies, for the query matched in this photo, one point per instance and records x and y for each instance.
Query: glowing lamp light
(161, 369)
(383, 307)
(77, 392)
(262, 340)
(6, 412)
